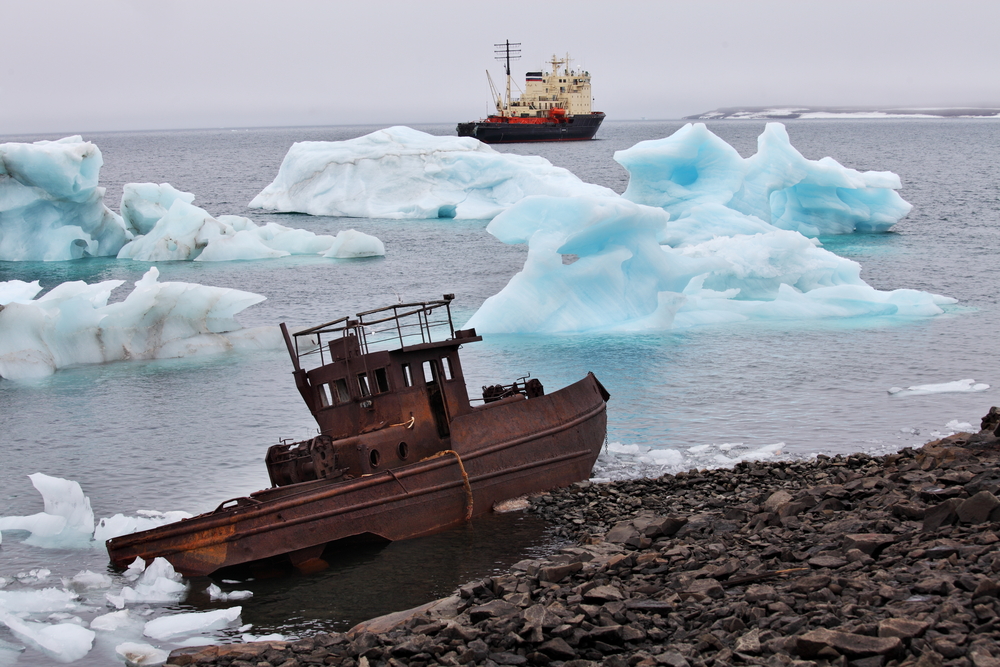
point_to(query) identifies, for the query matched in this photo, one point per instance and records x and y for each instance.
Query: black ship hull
(574, 128)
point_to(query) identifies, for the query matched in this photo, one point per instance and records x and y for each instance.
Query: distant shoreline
(794, 113)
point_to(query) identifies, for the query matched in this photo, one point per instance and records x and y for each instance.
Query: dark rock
(557, 648)
(869, 543)
(557, 573)
(943, 514)
(902, 628)
(977, 509)
(810, 644)
(492, 609)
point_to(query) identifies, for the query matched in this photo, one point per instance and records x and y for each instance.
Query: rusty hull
(495, 451)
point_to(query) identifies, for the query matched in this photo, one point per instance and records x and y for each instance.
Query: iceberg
(185, 232)
(400, 172)
(67, 519)
(351, 243)
(119, 524)
(141, 655)
(158, 583)
(958, 386)
(777, 185)
(143, 204)
(619, 278)
(75, 324)
(51, 208)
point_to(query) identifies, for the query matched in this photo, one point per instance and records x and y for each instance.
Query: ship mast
(504, 53)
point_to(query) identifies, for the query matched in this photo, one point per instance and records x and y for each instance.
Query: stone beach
(856, 560)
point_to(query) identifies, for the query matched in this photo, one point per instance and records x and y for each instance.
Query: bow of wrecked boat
(402, 451)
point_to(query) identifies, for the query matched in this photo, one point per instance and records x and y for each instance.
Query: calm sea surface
(188, 434)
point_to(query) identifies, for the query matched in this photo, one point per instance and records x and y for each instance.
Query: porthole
(374, 458)
(402, 449)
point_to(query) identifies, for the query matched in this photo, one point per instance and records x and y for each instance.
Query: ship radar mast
(505, 52)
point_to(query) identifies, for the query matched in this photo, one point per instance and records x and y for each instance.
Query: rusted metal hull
(505, 450)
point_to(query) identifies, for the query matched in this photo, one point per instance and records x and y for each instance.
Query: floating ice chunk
(623, 280)
(143, 204)
(74, 324)
(399, 172)
(63, 642)
(119, 524)
(216, 593)
(67, 520)
(86, 580)
(693, 168)
(959, 427)
(351, 243)
(141, 655)
(116, 620)
(38, 600)
(159, 583)
(166, 627)
(273, 637)
(135, 569)
(181, 234)
(241, 245)
(51, 207)
(957, 386)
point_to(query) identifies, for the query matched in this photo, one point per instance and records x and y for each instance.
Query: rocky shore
(850, 561)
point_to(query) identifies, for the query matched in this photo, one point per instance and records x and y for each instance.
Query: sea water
(188, 434)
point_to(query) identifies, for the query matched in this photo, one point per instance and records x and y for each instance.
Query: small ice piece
(143, 204)
(38, 600)
(141, 655)
(115, 621)
(958, 386)
(18, 291)
(216, 593)
(51, 208)
(959, 427)
(135, 569)
(75, 324)
(166, 627)
(86, 580)
(67, 520)
(400, 172)
(352, 244)
(35, 576)
(273, 637)
(63, 642)
(159, 583)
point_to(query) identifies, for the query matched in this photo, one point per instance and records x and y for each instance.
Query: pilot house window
(407, 375)
(363, 384)
(381, 380)
(446, 368)
(342, 394)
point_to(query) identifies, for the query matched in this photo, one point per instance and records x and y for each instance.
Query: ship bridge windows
(407, 375)
(333, 393)
(378, 383)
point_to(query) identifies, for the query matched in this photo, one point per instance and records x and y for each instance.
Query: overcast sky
(72, 66)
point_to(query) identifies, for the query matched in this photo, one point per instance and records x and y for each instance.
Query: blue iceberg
(51, 207)
(777, 185)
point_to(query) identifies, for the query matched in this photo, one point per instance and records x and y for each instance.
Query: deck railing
(400, 324)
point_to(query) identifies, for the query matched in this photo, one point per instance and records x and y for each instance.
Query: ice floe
(63, 642)
(622, 279)
(351, 243)
(958, 386)
(400, 172)
(51, 207)
(143, 204)
(216, 593)
(141, 655)
(777, 185)
(120, 524)
(75, 324)
(167, 627)
(159, 583)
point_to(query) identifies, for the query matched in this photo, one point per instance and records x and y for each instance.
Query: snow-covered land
(51, 207)
(75, 324)
(597, 265)
(777, 185)
(400, 172)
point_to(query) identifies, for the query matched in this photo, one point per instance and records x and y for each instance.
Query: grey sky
(73, 66)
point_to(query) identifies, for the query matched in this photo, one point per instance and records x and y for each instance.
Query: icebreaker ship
(51, 207)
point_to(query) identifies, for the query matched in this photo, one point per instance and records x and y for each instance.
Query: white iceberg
(63, 642)
(38, 600)
(143, 204)
(400, 172)
(958, 386)
(74, 324)
(67, 519)
(351, 243)
(115, 621)
(51, 207)
(777, 185)
(215, 593)
(167, 627)
(618, 277)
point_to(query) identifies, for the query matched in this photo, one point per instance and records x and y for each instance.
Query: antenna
(505, 52)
